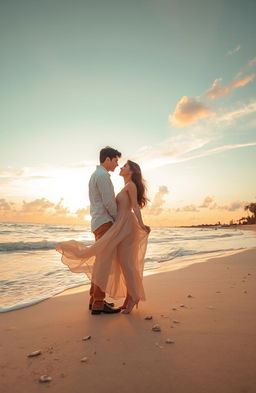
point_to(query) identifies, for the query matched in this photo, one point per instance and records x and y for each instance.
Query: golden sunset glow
(181, 105)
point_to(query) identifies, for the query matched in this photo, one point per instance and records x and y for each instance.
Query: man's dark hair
(108, 152)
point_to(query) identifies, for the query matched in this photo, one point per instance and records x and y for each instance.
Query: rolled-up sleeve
(106, 190)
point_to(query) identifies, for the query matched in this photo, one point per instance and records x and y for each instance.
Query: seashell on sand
(34, 353)
(169, 341)
(156, 328)
(85, 359)
(182, 305)
(87, 338)
(148, 317)
(175, 321)
(45, 378)
(174, 308)
(190, 296)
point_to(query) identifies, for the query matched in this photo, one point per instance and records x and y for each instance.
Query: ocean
(31, 269)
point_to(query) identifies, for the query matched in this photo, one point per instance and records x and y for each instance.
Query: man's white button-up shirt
(102, 198)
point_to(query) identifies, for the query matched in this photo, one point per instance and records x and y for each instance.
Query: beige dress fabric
(115, 262)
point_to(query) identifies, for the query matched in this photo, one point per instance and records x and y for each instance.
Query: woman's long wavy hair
(139, 182)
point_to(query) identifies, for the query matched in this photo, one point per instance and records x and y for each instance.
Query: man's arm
(106, 190)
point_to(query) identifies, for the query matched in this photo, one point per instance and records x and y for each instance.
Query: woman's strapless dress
(115, 262)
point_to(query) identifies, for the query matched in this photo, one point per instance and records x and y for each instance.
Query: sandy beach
(214, 336)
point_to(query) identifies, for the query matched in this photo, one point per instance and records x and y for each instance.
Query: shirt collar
(101, 168)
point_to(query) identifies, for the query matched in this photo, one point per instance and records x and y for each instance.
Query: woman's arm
(132, 192)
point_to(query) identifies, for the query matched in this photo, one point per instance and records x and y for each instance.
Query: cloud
(156, 207)
(41, 210)
(16, 176)
(185, 147)
(171, 150)
(252, 62)
(188, 208)
(60, 209)
(232, 206)
(217, 150)
(235, 114)
(233, 51)
(188, 111)
(36, 206)
(43, 173)
(216, 90)
(81, 213)
(207, 201)
(181, 149)
(6, 206)
(53, 183)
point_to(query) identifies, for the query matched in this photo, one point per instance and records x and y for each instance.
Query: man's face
(113, 164)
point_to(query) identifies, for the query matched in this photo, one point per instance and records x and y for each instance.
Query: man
(103, 211)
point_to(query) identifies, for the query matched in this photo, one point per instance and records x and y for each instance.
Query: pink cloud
(216, 90)
(188, 111)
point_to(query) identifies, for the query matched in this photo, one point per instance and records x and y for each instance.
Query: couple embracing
(115, 262)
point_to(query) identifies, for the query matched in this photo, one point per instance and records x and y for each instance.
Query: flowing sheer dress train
(115, 262)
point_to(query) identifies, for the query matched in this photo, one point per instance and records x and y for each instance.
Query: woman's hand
(146, 228)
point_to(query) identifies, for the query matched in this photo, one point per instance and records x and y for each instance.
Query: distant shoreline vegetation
(249, 220)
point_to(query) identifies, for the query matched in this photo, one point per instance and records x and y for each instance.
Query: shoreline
(219, 320)
(248, 227)
(176, 263)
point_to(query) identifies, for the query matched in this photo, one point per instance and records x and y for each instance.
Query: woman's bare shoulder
(130, 186)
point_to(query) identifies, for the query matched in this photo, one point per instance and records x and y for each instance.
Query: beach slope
(208, 309)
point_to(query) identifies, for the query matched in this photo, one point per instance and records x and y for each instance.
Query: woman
(115, 262)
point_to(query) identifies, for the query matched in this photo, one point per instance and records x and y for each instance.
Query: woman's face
(125, 170)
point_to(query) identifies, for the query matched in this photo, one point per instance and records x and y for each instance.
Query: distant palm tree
(252, 208)
(243, 220)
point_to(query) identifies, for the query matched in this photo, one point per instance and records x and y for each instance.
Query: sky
(170, 84)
